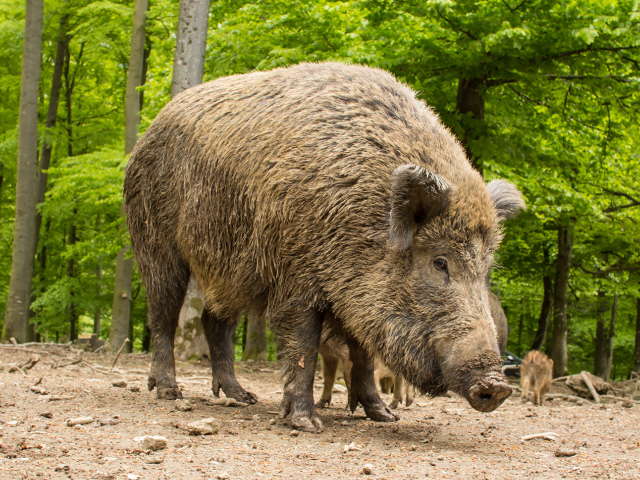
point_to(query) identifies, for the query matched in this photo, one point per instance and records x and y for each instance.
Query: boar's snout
(487, 395)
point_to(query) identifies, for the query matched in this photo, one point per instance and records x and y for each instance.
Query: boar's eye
(441, 264)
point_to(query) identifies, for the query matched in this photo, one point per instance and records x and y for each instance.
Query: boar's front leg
(299, 338)
(363, 388)
(219, 333)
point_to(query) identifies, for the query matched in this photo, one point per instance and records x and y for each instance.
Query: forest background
(543, 93)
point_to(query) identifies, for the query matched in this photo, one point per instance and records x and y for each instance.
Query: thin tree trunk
(545, 309)
(563, 265)
(256, 342)
(62, 46)
(191, 40)
(601, 356)
(470, 103)
(24, 235)
(71, 273)
(121, 309)
(637, 349)
(188, 65)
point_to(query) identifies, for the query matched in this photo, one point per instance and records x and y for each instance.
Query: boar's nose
(486, 396)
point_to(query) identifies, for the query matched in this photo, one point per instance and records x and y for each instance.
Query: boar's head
(438, 331)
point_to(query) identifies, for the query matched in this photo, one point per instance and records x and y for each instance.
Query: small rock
(132, 476)
(61, 468)
(206, 426)
(255, 418)
(152, 442)
(226, 402)
(349, 447)
(134, 388)
(627, 404)
(183, 405)
(367, 469)
(565, 453)
(154, 460)
(38, 390)
(119, 384)
(115, 420)
(78, 421)
(12, 423)
(222, 476)
(272, 421)
(46, 414)
(294, 433)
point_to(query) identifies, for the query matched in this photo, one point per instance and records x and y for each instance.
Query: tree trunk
(545, 309)
(71, 273)
(24, 235)
(470, 104)
(190, 342)
(601, 356)
(637, 352)
(256, 344)
(188, 65)
(121, 307)
(563, 265)
(121, 311)
(191, 40)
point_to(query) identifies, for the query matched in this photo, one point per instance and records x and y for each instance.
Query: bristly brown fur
(536, 375)
(276, 187)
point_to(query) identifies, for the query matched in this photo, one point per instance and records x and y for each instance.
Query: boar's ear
(417, 195)
(506, 198)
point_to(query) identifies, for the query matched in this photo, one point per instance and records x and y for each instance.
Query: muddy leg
(219, 333)
(398, 391)
(299, 338)
(165, 292)
(363, 389)
(329, 369)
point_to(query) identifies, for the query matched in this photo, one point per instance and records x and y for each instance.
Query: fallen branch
(566, 396)
(75, 361)
(115, 360)
(551, 436)
(587, 382)
(619, 399)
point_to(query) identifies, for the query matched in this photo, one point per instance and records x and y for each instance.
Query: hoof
(243, 396)
(169, 393)
(311, 424)
(381, 413)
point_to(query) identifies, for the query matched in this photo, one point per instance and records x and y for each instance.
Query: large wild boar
(536, 375)
(315, 188)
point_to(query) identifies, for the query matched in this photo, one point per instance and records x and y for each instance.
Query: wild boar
(536, 374)
(389, 382)
(315, 188)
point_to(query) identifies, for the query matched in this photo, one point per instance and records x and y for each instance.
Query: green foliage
(559, 82)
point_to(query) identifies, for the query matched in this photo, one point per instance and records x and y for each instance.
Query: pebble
(134, 388)
(46, 414)
(206, 426)
(152, 442)
(61, 468)
(294, 433)
(183, 405)
(367, 469)
(565, 453)
(119, 384)
(78, 421)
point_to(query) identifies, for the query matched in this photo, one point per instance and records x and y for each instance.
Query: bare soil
(436, 438)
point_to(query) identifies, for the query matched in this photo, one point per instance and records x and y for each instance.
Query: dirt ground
(439, 438)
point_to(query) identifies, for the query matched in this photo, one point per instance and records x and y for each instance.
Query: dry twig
(115, 360)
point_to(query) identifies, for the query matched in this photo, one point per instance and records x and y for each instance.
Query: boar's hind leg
(329, 370)
(363, 388)
(165, 294)
(219, 333)
(299, 338)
